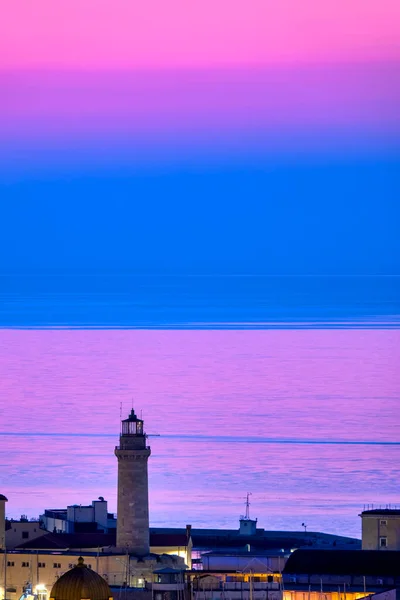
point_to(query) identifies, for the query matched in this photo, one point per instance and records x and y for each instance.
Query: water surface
(307, 420)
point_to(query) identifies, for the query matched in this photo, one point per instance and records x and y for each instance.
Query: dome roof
(3, 498)
(80, 583)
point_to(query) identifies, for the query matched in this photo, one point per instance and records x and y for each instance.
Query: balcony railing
(237, 586)
(166, 587)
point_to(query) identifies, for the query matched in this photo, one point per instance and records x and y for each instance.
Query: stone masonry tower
(133, 493)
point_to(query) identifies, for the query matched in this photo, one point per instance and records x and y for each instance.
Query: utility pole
(5, 572)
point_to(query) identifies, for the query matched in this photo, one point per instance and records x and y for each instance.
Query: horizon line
(206, 438)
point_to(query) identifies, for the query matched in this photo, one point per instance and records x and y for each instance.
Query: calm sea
(286, 388)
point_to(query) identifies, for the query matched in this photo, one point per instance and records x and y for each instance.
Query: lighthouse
(133, 490)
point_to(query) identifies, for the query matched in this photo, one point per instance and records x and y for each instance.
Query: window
(41, 565)
(383, 523)
(10, 563)
(56, 565)
(25, 535)
(383, 542)
(25, 564)
(89, 566)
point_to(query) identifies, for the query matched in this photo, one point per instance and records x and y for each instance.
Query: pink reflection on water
(210, 395)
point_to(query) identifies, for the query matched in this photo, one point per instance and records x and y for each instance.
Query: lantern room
(132, 425)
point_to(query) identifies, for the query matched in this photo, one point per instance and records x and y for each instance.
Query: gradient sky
(127, 33)
(200, 137)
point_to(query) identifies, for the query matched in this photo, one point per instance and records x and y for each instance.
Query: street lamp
(305, 527)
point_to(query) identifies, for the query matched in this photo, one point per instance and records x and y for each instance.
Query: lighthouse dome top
(132, 417)
(81, 582)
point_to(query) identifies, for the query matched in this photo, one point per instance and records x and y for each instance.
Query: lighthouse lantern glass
(132, 427)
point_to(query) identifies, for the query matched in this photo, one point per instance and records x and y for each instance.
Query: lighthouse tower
(133, 493)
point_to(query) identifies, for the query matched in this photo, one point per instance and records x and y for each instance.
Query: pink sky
(129, 33)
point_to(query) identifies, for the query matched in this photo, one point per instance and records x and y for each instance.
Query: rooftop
(343, 562)
(242, 552)
(66, 541)
(225, 540)
(381, 511)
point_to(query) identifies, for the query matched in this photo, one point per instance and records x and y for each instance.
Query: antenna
(120, 410)
(248, 505)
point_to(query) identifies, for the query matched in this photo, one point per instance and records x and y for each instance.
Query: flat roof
(381, 511)
(343, 562)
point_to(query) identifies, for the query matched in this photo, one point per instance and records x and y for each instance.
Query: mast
(248, 505)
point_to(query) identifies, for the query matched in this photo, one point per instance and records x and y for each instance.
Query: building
(12, 532)
(169, 584)
(161, 543)
(339, 574)
(18, 532)
(265, 562)
(239, 575)
(380, 529)
(231, 585)
(205, 541)
(79, 519)
(35, 572)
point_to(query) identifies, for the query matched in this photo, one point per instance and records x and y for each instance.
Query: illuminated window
(383, 542)
(41, 592)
